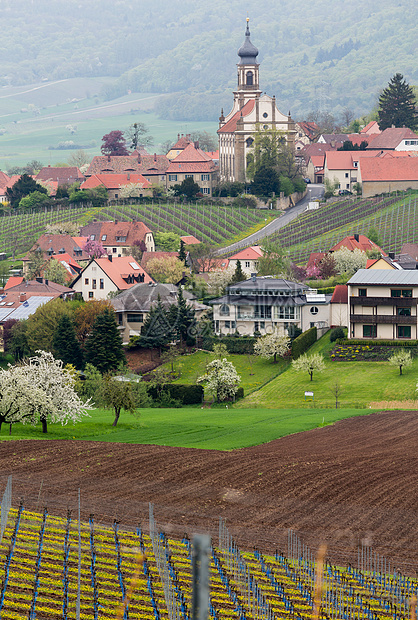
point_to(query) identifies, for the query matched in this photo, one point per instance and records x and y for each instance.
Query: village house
(115, 182)
(193, 163)
(394, 139)
(383, 304)
(57, 245)
(118, 237)
(61, 175)
(248, 258)
(306, 133)
(152, 167)
(107, 275)
(133, 305)
(265, 305)
(388, 173)
(179, 146)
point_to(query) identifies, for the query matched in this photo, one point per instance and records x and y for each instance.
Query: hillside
(326, 55)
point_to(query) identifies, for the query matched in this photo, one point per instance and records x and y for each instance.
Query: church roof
(231, 125)
(247, 52)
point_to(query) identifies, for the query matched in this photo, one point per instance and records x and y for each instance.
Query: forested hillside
(327, 55)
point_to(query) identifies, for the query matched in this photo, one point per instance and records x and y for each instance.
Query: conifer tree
(239, 275)
(397, 105)
(104, 345)
(182, 317)
(182, 252)
(66, 345)
(157, 330)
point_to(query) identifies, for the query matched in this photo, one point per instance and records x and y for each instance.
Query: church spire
(247, 52)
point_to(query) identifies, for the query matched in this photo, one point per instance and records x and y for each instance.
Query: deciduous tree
(56, 272)
(309, 363)
(402, 359)
(114, 143)
(348, 261)
(137, 135)
(94, 249)
(272, 345)
(166, 269)
(221, 379)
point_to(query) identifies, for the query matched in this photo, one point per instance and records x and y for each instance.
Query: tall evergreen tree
(65, 343)
(104, 345)
(182, 317)
(239, 275)
(397, 105)
(157, 330)
(182, 252)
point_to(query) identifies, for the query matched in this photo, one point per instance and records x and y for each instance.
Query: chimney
(129, 176)
(356, 237)
(116, 221)
(196, 144)
(109, 256)
(46, 282)
(22, 297)
(108, 158)
(40, 280)
(155, 156)
(391, 255)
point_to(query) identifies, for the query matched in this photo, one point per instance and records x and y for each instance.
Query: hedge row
(187, 394)
(378, 343)
(303, 342)
(241, 345)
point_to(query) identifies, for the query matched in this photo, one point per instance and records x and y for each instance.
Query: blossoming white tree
(309, 363)
(402, 359)
(272, 345)
(40, 389)
(347, 261)
(221, 379)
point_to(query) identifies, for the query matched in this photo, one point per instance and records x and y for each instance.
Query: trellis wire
(174, 609)
(6, 504)
(258, 605)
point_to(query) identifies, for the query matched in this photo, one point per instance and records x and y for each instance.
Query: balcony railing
(374, 319)
(399, 302)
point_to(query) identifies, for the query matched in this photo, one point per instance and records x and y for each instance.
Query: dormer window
(104, 237)
(62, 251)
(92, 237)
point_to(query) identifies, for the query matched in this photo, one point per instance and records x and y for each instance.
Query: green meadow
(211, 429)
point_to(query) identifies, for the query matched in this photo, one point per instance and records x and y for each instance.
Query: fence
(6, 504)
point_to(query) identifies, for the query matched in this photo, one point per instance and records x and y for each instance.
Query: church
(252, 110)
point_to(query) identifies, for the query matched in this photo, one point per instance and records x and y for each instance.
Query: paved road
(314, 191)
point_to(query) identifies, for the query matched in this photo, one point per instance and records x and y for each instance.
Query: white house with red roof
(109, 275)
(252, 110)
(248, 258)
(117, 237)
(193, 163)
(114, 182)
(394, 139)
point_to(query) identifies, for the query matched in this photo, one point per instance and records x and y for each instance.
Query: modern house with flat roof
(382, 304)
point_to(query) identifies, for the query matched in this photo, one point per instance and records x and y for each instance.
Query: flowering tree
(347, 261)
(272, 345)
(131, 190)
(221, 379)
(94, 249)
(40, 389)
(166, 269)
(402, 359)
(309, 363)
(219, 280)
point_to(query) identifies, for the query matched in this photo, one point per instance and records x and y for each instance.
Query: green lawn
(253, 370)
(361, 383)
(216, 429)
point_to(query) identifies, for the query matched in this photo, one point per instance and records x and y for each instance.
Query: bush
(239, 393)
(186, 394)
(303, 342)
(241, 345)
(376, 342)
(336, 333)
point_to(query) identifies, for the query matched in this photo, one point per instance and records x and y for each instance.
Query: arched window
(224, 311)
(249, 142)
(250, 78)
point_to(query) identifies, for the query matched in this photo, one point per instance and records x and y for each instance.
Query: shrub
(187, 394)
(303, 342)
(242, 345)
(240, 393)
(336, 333)
(380, 343)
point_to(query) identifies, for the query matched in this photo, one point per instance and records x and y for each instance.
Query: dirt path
(354, 480)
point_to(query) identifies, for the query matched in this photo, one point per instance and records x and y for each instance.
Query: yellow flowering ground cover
(277, 579)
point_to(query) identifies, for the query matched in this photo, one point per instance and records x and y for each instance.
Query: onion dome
(247, 52)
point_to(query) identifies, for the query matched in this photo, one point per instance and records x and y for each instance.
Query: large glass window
(406, 292)
(136, 317)
(287, 312)
(369, 331)
(224, 310)
(404, 331)
(404, 311)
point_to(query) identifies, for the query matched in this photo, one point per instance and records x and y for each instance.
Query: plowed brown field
(355, 480)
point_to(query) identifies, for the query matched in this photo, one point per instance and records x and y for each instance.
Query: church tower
(251, 112)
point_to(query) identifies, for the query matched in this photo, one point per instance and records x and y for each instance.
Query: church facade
(252, 110)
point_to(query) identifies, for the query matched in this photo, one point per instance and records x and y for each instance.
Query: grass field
(212, 429)
(254, 371)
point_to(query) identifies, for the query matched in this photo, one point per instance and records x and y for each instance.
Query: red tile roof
(71, 266)
(231, 125)
(370, 262)
(57, 243)
(202, 166)
(140, 162)
(390, 138)
(147, 256)
(389, 169)
(63, 175)
(182, 142)
(371, 128)
(252, 253)
(4, 179)
(310, 128)
(340, 294)
(314, 259)
(189, 239)
(191, 154)
(133, 231)
(13, 281)
(120, 268)
(33, 287)
(363, 243)
(115, 181)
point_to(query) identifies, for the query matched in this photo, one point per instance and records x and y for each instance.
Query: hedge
(303, 342)
(240, 345)
(188, 394)
(377, 343)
